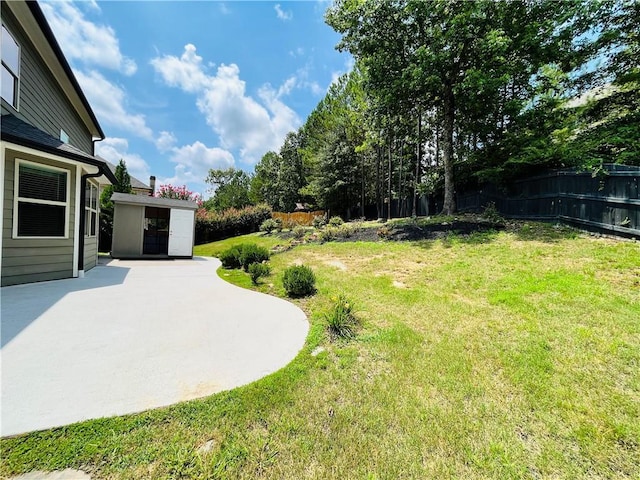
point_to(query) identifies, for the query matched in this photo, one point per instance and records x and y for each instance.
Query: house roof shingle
(135, 183)
(20, 132)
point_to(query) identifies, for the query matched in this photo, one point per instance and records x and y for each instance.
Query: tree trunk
(389, 186)
(414, 207)
(379, 205)
(449, 205)
(362, 196)
(400, 189)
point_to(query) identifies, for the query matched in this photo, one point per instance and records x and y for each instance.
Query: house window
(90, 210)
(41, 206)
(10, 68)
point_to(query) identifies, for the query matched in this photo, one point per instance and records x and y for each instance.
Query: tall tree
(231, 188)
(458, 57)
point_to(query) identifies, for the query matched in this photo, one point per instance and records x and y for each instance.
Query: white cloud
(185, 72)
(298, 52)
(114, 149)
(166, 141)
(224, 9)
(85, 41)
(240, 120)
(281, 14)
(108, 102)
(193, 163)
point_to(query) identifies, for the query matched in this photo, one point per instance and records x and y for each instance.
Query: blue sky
(180, 87)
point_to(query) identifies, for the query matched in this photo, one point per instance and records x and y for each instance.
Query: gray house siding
(42, 102)
(26, 260)
(90, 253)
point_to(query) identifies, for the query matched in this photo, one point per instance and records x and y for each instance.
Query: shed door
(181, 232)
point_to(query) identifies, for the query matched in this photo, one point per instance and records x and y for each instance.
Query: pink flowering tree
(178, 193)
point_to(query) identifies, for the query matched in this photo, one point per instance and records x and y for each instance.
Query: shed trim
(130, 199)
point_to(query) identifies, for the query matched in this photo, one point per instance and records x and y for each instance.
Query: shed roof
(143, 200)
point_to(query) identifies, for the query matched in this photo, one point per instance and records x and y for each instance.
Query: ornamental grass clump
(336, 221)
(299, 231)
(257, 271)
(341, 321)
(271, 224)
(299, 281)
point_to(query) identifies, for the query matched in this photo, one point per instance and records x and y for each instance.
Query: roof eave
(60, 153)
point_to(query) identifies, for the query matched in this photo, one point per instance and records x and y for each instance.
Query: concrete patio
(135, 335)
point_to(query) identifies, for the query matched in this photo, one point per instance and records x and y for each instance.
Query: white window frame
(17, 199)
(89, 210)
(16, 93)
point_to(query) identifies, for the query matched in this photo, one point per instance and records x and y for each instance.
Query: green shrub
(258, 270)
(299, 281)
(212, 225)
(319, 221)
(230, 258)
(243, 255)
(335, 221)
(269, 225)
(341, 321)
(299, 232)
(252, 253)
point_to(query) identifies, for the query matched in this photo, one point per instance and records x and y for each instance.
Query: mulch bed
(413, 232)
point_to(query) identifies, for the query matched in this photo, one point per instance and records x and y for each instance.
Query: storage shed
(150, 227)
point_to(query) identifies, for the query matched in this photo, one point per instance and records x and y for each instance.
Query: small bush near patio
(252, 253)
(243, 255)
(257, 271)
(270, 225)
(341, 321)
(230, 258)
(335, 221)
(299, 281)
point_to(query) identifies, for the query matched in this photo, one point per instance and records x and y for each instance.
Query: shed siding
(128, 224)
(26, 260)
(42, 103)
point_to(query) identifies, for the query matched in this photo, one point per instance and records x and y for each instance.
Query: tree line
(445, 95)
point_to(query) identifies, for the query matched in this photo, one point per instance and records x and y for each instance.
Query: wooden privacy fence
(290, 220)
(608, 201)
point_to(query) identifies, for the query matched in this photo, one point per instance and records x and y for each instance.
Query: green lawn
(501, 355)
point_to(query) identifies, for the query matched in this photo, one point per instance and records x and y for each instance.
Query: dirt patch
(338, 264)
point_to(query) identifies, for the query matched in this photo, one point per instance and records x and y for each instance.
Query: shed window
(90, 210)
(10, 68)
(41, 201)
